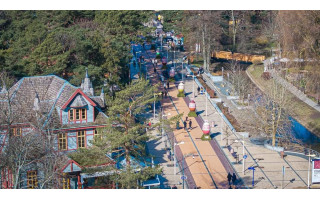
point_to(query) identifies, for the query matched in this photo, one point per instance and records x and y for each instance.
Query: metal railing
(231, 127)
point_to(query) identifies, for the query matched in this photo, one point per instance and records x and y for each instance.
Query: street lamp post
(193, 85)
(243, 163)
(182, 70)
(174, 57)
(309, 164)
(221, 130)
(154, 106)
(161, 42)
(162, 132)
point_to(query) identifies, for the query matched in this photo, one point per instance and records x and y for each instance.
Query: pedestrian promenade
(192, 161)
(268, 163)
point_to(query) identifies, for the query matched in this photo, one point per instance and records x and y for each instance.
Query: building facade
(48, 104)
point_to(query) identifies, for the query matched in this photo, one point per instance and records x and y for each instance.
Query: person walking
(154, 70)
(165, 94)
(185, 125)
(178, 125)
(168, 84)
(190, 124)
(186, 118)
(162, 95)
(234, 179)
(229, 178)
(198, 90)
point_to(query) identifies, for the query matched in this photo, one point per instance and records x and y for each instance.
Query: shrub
(257, 62)
(266, 75)
(192, 114)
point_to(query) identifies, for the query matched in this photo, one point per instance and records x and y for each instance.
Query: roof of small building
(52, 91)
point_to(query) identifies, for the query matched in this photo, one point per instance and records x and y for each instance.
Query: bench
(231, 150)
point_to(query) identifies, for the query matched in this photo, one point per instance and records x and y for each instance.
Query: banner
(316, 171)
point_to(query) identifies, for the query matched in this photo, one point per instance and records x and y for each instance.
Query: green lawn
(304, 114)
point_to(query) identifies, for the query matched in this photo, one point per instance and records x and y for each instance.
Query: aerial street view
(159, 99)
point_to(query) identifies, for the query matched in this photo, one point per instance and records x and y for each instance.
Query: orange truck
(227, 55)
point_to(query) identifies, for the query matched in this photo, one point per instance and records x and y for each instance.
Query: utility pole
(243, 163)
(154, 107)
(193, 85)
(182, 70)
(183, 172)
(206, 105)
(221, 129)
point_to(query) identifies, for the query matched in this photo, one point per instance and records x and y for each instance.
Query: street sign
(245, 157)
(251, 168)
(183, 177)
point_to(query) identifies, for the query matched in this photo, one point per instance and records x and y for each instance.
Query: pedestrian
(169, 155)
(234, 179)
(85, 184)
(198, 90)
(168, 84)
(154, 70)
(229, 178)
(178, 125)
(165, 94)
(162, 95)
(149, 124)
(190, 124)
(164, 85)
(185, 125)
(186, 118)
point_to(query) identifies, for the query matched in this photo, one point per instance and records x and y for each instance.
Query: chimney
(86, 86)
(102, 96)
(36, 103)
(4, 88)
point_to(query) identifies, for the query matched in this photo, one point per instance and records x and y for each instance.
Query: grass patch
(192, 114)
(299, 110)
(181, 94)
(205, 137)
(172, 80)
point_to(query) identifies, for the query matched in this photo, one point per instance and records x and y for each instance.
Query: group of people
(184, 124)
(232, 178)
(199, 89)
(165, 93)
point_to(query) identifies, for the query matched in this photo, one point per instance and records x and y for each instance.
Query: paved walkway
(188, 156)
(300, 95)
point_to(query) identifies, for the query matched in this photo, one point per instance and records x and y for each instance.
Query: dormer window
(77, 114)
(17, 131)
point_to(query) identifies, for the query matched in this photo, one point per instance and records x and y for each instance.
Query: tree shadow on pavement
(157, 153)
(215, 134)
(199, 112)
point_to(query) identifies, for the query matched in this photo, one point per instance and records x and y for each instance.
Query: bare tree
(30, 146)
(270, 108)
